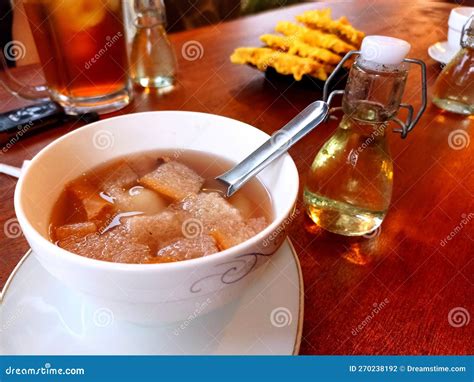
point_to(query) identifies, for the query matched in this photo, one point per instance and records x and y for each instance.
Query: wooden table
(416, 280)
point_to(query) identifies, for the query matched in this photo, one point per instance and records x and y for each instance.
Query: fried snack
(294, 46)
(314, 37)
(321, 19)
(284, 63)
(312, 49)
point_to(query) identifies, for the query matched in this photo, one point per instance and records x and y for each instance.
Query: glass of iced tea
(82, 49)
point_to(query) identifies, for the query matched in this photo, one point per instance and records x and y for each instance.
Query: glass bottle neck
(363, 128)
(149, 19)
(373, 92)
(149, 13)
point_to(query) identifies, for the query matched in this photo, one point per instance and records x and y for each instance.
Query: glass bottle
(349, 184)
(152, 59)
(454, 88)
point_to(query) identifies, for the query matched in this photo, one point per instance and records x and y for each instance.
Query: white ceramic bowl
(152, 293)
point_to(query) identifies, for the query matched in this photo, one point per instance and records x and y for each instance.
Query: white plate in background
(441, 52)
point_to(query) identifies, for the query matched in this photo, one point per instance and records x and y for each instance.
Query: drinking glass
(82, 49)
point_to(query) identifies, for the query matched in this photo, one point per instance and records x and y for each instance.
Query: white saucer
(441, 52)
(41, 316)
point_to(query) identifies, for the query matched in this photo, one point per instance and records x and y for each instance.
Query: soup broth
(154, 207)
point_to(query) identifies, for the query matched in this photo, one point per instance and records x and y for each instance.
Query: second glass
(152, 59)
(454, 90)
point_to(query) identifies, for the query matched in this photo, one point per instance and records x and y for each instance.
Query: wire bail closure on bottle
(410, 122)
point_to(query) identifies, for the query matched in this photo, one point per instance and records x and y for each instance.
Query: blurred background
(181, 15)
(186, 14)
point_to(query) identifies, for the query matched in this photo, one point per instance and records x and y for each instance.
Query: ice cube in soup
(156, 207)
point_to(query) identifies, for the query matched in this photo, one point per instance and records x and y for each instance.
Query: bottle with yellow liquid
(454, 88)
(349, 184)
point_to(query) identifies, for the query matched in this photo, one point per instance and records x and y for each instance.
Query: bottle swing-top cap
(384, 53)
(384, 50)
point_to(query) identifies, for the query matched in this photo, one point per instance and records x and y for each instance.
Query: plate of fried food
(312, 47)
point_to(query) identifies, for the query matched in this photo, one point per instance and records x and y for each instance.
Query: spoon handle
(13, 171)
(273, 148)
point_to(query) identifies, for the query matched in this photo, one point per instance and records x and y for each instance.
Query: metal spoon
(11, 170)
(232, 180)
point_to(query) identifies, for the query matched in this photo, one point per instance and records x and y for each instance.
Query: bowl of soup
(126, 212)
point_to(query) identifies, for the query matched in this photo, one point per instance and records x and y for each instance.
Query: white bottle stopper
(384, 50)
